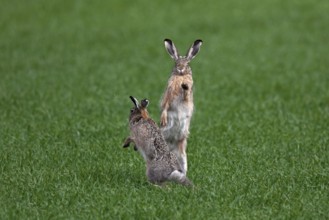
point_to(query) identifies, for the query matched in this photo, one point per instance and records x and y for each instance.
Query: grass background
(259, 139)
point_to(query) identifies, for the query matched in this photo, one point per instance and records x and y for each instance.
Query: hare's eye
(131, 110)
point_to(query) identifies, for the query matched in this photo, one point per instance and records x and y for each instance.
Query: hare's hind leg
(180, 177)
(182, 157)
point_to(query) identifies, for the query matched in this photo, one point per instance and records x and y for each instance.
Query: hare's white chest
(178, 120)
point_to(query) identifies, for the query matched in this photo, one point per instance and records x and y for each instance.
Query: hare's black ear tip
(167, 41)
(132, 99)
(198, 41)
(145, 102)
(135, 101)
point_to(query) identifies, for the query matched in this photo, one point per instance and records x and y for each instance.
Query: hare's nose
(181, 70)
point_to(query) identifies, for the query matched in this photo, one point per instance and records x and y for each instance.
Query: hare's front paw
(185, 86)
(127, 142)
(163, 119)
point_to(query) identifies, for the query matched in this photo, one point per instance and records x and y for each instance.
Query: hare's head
(139, 110)
(182, 62)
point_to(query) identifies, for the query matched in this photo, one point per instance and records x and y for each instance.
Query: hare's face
(134, 113)
(182, 62)
(182, 66)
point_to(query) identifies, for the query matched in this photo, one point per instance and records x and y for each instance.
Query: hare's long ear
(144, 103)
(194, 49)
(135, 101)
(170, 46)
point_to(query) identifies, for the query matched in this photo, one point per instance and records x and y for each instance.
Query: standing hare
(161, 164)
(177, 102)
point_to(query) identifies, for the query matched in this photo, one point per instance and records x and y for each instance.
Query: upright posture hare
(177, 102)
(161, 164)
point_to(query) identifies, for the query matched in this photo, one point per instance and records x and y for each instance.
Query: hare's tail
(180, 177)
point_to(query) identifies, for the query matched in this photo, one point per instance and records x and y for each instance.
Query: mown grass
(259, 137)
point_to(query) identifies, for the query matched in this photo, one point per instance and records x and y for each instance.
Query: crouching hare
(177, 102)
(161, 164)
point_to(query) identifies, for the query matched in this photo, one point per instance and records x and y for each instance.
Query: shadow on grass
(115, 176)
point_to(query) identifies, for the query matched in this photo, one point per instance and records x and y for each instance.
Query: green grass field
(259, 143)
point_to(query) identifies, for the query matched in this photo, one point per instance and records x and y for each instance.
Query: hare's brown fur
(175, 88)
(177, 102)
(161, 164)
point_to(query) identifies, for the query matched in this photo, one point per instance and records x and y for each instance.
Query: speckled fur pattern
(161, 164)
(177, 102)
